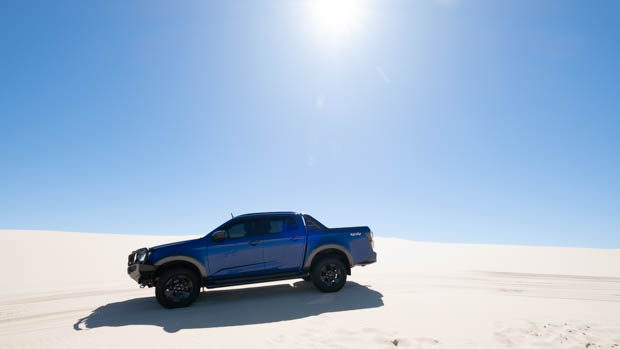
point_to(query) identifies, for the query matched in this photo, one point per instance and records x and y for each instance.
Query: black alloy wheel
(329, 274)
(177, 287)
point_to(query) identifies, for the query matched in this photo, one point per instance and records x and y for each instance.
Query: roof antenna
(231, 215)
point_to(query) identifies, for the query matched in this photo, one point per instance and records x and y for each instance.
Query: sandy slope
(70, 290)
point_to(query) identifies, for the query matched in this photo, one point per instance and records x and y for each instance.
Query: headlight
(141, 255)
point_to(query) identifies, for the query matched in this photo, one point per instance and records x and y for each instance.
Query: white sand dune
(70, 290)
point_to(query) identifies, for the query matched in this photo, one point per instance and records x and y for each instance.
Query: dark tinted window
(237, 230)
(260, 226)
(276, 225)
(280, 224)
(255, 227)
(291, 223)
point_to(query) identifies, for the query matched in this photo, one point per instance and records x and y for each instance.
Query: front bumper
(141, 273)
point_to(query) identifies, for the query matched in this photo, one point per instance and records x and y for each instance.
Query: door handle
(254, 243)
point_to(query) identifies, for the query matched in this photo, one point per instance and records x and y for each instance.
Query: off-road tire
(329, 274)
(177, 288)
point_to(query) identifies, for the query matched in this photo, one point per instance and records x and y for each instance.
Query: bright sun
(335, 20)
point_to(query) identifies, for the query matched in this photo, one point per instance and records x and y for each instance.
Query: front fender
(193, 261)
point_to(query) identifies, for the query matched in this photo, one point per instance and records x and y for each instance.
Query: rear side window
(276, 225)
(291, 224)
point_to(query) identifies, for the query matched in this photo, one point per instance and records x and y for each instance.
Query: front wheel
(177, 288)
(329, 274)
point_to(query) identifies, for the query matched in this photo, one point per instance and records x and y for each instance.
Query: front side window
(237, 230)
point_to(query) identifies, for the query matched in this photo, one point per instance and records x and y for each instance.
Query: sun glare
(335, 20)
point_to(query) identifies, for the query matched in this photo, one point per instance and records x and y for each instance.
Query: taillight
(370, 240)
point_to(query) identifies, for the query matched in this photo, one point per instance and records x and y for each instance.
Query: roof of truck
(266, 213)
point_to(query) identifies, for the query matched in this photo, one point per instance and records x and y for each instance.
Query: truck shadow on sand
(234, 307)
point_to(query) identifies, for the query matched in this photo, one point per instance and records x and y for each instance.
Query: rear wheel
(177, 288)
(329, 274)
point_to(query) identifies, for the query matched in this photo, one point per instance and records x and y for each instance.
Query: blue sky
(458, 121)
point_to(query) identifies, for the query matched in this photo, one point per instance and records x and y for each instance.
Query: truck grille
(131, 259)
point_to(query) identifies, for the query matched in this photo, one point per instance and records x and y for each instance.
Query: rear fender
(316, 251)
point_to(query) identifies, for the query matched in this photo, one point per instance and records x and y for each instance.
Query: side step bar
(214, 283)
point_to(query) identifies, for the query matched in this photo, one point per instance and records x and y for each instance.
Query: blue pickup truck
(250, 248)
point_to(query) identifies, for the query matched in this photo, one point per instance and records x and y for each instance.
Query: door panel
(239, 255)
(284, 251)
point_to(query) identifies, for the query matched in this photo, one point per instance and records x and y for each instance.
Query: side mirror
(219, 235)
